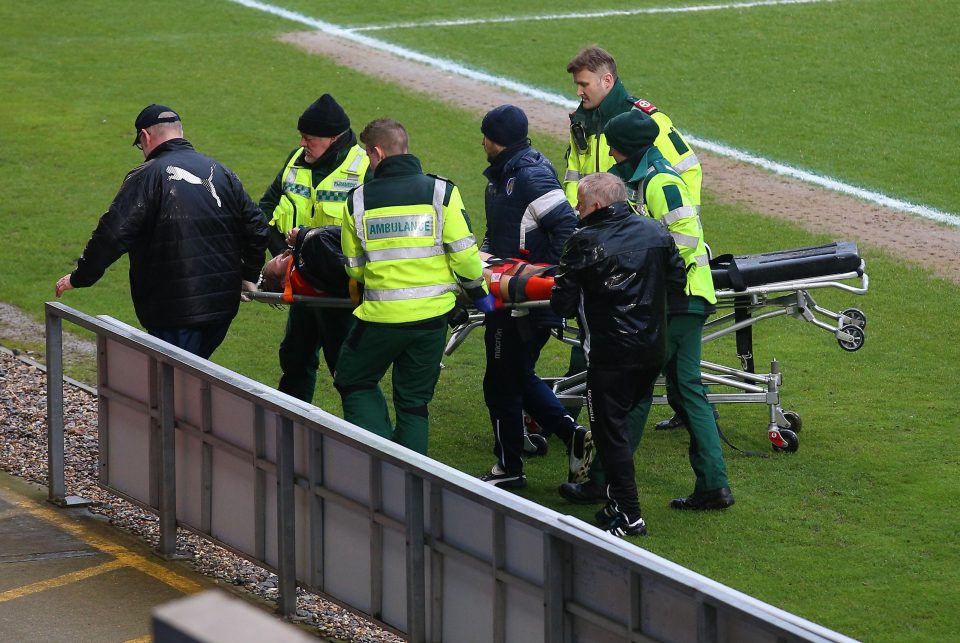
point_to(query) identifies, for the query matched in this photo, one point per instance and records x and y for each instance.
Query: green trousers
(682, 371)
(310, 329)
(415, 352)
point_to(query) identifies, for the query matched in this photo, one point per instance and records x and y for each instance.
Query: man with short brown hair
(407, 239)
(602, 98)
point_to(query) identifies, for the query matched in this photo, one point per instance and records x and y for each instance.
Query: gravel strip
(23, 453)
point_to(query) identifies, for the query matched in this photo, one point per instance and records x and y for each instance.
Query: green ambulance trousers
(309, 329)
(682, 370)
(415, 351)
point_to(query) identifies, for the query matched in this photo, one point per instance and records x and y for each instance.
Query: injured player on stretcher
(313, 266)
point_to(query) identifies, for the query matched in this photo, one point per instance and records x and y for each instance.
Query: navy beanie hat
(631, 131)
(505, 125)
(324, 117)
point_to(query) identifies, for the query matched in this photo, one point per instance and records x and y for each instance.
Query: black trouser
(309, 329)
(511, 385)
(612, 392)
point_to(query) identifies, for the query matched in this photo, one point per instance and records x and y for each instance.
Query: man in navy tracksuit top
(528, 218)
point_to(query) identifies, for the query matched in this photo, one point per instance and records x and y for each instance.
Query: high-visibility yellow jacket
(408, 239)
(589, 152)
(303, 203)
(662, 194)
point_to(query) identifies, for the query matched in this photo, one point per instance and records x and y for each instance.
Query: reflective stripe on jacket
(667, 199)
(412, 259)
(324, 204)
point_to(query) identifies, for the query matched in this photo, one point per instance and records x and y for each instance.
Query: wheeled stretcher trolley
(750, 289)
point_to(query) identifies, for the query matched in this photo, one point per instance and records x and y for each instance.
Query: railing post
(168, 473)
(416, 586)
(286, 524)
(56, 484)
(315, 480)
(56, 477)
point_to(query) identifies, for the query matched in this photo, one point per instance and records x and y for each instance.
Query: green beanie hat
(631, 131)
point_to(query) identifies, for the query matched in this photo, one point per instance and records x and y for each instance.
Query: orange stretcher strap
(519, 281)
(296, 284)
(288, 283)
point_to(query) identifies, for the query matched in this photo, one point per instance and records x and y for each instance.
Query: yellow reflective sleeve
(352, 250)
(571, 176)
(465, 263)
(283, 215)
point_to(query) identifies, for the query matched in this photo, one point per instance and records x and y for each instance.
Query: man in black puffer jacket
(615, 272)
(192, 232)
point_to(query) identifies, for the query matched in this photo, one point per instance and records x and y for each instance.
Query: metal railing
(412, 543)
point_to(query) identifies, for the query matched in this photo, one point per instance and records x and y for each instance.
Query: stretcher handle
(321, 302)
(810, 283)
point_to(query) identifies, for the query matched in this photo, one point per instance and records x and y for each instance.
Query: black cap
(324, 117)
(151, 115)
(629, 132)
(505, 125)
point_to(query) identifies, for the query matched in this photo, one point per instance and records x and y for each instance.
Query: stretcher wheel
(534, 445)
(856, 341)
(856, 317)
(794, 423)
(792, 442)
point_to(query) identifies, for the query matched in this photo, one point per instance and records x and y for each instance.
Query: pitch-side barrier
(416, 545)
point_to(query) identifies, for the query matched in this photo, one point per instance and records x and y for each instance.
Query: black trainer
(500, 478)
(717, 499)
(621, 526)
(534, 445)
(677, 422)
(585, 493)
(608, 513)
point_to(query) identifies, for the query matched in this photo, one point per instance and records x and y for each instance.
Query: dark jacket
(615, 273)
(317, 255)
(528, 215)
(192, 233)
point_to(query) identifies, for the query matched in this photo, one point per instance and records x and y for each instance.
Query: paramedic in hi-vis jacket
(311, 190)
(406, 238)
(602, 97)
(663, 195)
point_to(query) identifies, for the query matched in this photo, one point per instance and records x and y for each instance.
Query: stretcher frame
(738, 310)
(743, 311)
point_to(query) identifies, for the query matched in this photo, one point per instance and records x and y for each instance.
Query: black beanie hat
(631, 131)
(150, 116)
(505, 125)
(324, 117)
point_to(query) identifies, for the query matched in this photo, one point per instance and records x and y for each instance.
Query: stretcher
(750, 289)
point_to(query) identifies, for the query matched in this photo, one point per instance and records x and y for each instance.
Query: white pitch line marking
(585, 15)
(557, 99)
